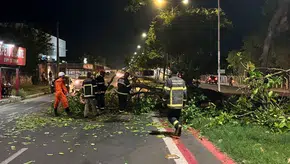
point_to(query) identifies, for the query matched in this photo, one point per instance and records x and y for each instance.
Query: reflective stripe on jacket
(87, 89)
(175, 92)
(124, 86)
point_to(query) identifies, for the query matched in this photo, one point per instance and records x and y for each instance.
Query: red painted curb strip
(212, 148)
(184, 151)
(189, 157)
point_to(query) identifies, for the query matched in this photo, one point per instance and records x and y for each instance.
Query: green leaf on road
(44, 144)
(26, 143)
(46, 133)
(160, 136)
(13, 148)
(65, 141)
(135, 131)
(29, 162)
(49, 154)
(61, 153)
(92, 144)
(77, 144)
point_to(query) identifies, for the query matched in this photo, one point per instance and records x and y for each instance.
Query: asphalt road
(120, 139)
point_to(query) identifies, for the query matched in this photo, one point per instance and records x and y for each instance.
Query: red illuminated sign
(10, 55)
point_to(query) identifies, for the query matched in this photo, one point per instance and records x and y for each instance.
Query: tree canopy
(187, 36)
(268, 46)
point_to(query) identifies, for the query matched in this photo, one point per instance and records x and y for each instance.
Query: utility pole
(219, 48)
(57, 48)
(165, 65)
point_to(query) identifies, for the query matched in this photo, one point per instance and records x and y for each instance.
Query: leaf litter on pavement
(37, 121)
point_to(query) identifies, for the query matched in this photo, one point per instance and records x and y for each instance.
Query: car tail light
(215, 78)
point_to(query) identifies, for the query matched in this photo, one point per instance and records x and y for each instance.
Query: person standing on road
(175, 95)
(101, 90)
(61, 94)
(89, 99)
(124, 88)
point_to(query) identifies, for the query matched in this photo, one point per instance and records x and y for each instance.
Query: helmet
(61, 74)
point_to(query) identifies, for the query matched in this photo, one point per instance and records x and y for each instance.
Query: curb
(9, 101)
(35, 95)
(225, 159)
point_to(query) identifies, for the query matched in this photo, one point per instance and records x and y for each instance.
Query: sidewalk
(14, 99)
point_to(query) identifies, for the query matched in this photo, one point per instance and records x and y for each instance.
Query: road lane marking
(12, 114)
(173, 149)
(12, 157)
(28, 108)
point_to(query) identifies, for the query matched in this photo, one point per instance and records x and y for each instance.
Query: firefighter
(124, 88)
(100, 91)
(89, 99)
(175, 94)
(61, 94)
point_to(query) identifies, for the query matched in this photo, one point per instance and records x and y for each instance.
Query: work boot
(178, 130)
(68, 112)
(55, 112)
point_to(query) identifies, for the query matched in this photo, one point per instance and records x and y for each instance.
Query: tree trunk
(279, 16)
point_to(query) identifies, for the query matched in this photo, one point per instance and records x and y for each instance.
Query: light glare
(185, 2)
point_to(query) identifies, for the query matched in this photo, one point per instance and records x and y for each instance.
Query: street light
(138, 46)
(144, 35)
(185, 2)
(135, 53)
(160, 3)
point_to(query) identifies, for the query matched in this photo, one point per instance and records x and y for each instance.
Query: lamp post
(219, 48)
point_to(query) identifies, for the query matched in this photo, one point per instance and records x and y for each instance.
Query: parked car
(212, 80)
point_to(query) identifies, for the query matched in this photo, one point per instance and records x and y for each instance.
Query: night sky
(103, 28)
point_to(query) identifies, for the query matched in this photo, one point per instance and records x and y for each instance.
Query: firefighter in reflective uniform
(101, 90)
(61, 94)
(124, 88)
(175, 97)
(89, 99)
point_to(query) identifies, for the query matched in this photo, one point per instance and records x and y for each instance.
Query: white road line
(43, 103)
(173, 149)
(11, 114)
(12, 157)
(28, 108)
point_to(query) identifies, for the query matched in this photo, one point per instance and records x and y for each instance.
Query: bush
(21, 93)
(145, 104)
(258, 106)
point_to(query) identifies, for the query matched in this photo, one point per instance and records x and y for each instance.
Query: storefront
(11, 58)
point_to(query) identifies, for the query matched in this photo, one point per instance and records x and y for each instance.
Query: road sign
(223, 71)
